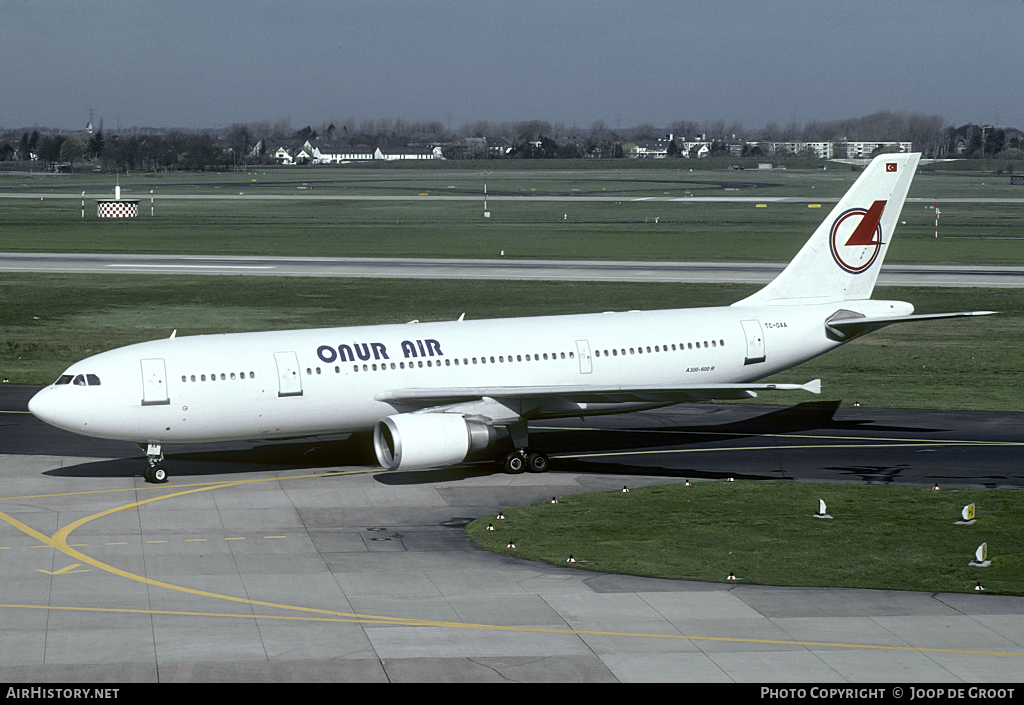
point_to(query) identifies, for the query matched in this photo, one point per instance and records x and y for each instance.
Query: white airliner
(435, 392)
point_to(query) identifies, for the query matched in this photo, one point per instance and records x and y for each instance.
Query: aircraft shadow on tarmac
(357, 450)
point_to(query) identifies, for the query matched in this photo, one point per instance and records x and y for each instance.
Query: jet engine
(413, 441)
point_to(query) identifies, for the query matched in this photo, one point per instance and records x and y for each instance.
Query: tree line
(243, 144)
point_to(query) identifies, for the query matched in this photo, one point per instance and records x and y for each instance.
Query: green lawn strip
(880, 537)
(686, 229)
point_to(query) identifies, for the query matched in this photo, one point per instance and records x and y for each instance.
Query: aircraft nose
(43, 406)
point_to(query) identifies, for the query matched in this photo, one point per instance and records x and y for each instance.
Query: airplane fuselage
(278, 384)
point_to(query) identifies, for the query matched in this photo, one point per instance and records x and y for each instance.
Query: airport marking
(400, 621)
(848, 442)
(59, 542)
(64, 571)
(192, 266)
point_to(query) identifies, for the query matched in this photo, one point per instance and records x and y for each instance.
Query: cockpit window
(89, 380)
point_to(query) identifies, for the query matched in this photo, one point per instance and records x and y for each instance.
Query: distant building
(859, 150)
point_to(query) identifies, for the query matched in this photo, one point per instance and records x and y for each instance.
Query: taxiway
(300, 561)
(498, 268)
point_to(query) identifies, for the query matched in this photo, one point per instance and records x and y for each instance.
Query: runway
(299, 561)
(503, 269)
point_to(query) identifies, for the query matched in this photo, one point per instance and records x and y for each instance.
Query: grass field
(971, 233)
(881, 537)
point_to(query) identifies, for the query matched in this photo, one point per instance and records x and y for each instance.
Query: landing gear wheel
(156, 474)
(514, 462)
(536, 462)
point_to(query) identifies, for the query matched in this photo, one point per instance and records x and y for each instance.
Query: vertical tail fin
(842, 259)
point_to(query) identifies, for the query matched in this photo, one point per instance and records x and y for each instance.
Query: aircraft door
(288, 375)
(154, 383)
(583, 349)
(755, 342)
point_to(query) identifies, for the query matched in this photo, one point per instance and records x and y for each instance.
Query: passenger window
(184, 378)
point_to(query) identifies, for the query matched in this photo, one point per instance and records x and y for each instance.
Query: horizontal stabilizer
(854, 325)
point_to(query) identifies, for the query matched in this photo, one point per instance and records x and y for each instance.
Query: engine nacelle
(413, 441)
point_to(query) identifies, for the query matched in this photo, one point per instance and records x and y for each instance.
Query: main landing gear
(522, 458)
(525, 459)
(155, 471)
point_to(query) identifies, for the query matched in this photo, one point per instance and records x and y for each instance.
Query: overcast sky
(191, 63)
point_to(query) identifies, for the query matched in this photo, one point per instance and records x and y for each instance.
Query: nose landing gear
(155, 471)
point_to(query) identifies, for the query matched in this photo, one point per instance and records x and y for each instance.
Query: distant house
(646, 149)
(339, 153)
(696, 150)
(649, 149)
(283, 155)
(344, 153)
(414, 153)
(498, 147)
